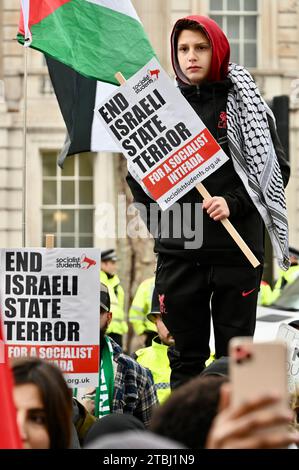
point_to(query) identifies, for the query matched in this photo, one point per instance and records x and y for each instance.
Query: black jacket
(209, 101)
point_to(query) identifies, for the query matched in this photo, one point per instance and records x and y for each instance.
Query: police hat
(104, 298)
(108, 255)
(155, 308)
(152, 316)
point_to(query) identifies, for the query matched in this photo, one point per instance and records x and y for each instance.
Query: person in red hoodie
(216, 279)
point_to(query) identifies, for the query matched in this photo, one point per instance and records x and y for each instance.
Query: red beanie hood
(220, 48)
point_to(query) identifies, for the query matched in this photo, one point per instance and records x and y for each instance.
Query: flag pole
(225, 222)
(24, 165)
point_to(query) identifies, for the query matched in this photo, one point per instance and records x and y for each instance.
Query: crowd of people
(124, 411)
(134, 405)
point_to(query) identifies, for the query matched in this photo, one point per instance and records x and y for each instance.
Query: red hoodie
(220, 48)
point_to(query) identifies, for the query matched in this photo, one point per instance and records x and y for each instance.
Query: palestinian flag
(97, 38)
(77, 97)
(9, 433)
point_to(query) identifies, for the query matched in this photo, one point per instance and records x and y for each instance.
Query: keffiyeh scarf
(254, 157)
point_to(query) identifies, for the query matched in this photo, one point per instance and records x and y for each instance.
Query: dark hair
(187, 415)
(54, 393)
(183, 24)
(111, 424)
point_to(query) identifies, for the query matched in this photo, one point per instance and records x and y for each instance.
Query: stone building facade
(265, 36)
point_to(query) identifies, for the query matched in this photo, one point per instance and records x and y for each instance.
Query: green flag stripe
(94, 40)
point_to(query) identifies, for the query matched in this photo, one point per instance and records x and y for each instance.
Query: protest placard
(50, 301)
(167, 145)
(290, 336)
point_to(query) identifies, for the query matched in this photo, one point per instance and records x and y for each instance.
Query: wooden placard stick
(232, 231)
(50, 240)
(225, 222)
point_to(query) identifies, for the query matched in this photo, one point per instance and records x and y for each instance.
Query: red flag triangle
(39, 9)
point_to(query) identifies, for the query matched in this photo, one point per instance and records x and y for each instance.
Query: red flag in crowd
(9, 433)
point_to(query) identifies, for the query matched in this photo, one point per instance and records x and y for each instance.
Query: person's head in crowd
(44, 404)
(199, 414)
(105, 314)
(108, 262)
(294, 256)
(219, 367)
(187, 415)
(200, 50)
(165, 336)
(111, 424)
(254, 424)
(133, 440)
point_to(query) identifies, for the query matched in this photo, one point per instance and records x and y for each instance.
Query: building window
(238, 19)
(67, 208)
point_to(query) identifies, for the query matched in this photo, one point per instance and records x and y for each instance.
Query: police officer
(155, 357)
(140, 308)
(118, 327)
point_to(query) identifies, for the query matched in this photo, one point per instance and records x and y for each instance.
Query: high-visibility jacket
(117, 298)
(265, 296)
(285, 277)
(156, 360)
(141, 306)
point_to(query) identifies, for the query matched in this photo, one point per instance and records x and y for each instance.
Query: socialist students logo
(148, 79)
(154, 74)
(86, 262)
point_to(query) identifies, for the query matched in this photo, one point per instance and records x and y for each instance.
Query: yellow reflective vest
(265, 296)
(141, 306)
(156, 360)
(117, 298)
(285, 277)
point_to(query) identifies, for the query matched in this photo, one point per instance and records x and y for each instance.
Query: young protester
(44, 405)
(216, 279)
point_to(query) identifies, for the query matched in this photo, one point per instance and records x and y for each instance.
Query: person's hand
(250, 425)
(216, 208)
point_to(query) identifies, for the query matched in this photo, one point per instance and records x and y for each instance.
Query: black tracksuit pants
(189, 295)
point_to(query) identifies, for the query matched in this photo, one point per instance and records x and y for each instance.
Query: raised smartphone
(257, 369)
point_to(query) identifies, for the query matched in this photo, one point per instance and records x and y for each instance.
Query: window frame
(59, 178)
(225, 13)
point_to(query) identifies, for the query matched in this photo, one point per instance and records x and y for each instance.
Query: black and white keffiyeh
(254, 157)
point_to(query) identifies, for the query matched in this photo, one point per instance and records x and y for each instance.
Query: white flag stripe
(100, 138)
(122, 6)
(25, 5)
